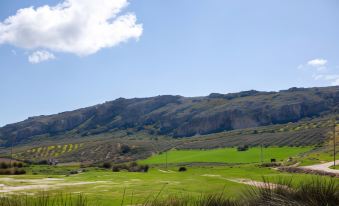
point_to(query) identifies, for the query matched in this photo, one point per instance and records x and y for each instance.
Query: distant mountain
(178, 116)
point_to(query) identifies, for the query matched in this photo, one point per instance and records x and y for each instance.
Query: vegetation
(314, 192)
(226, 155)
(132, 167)
(44, 199)
(177, 116)
(11, 168)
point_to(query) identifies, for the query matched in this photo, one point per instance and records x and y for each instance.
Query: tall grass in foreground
(44, 199)
(315, 192)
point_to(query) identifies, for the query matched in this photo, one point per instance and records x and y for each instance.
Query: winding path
(325, 167)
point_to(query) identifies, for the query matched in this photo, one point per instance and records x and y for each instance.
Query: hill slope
(178, 116)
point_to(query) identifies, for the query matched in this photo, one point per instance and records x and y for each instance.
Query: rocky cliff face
(180, 116)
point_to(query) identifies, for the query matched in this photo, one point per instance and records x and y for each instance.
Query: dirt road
(325, 167)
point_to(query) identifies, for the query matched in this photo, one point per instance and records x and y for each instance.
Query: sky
(61, 55)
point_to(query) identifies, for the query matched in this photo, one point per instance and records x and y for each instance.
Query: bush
(125, 149)
(12, 171)
(115, 169)
(272, 164)
(132, 167)
(43, 162)
(18, 164)
(19, 172)
(242, 148)
(107, 165)
(73, 172)
(4, 165)
(182, 169)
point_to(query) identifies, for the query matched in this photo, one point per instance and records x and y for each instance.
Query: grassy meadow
(227, 155)
(126, 188)
(110, 188)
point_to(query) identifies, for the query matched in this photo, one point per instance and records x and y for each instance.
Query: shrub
(125, 149)
(43, 162)
(242, 148)
(4, 165)
(107, 165)
(182, 169)
(272, 164)
(73, 172)
(132, 167)
(116, 169)
(144, 168)
(12, 171)
(19, 172)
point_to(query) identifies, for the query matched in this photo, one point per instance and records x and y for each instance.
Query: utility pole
(334, 141)
(261, 154)
(10, 161)
(166, 159)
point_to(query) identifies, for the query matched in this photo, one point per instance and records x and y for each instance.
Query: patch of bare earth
(36, 184)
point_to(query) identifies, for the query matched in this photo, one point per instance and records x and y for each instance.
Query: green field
(108, 188)
(111, 188)
(226, 155)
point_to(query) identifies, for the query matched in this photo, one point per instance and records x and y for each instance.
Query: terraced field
(52, 151)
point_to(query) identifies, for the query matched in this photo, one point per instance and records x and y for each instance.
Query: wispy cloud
(81, 27)
(320, 70)
(40, 56)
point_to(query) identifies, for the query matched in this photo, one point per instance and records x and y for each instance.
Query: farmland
(227, 155)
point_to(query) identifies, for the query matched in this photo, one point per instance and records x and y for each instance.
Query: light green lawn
(316, 158)
(226, 155)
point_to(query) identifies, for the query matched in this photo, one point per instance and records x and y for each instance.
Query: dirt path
(37, 184)
(244, 181)
(325, 167)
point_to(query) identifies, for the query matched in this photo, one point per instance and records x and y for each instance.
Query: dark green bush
(132, 167)
(107, 165)
(243, 148)
(182, 169)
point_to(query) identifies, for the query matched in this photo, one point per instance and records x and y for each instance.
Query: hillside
(177, 116)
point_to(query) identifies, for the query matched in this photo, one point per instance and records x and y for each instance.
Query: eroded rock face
(180, 116)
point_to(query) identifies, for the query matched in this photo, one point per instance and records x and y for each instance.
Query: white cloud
(332, 78)
(317, 62)
(40, 56)
(81, 27)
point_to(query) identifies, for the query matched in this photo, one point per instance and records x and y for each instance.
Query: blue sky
(186, 47)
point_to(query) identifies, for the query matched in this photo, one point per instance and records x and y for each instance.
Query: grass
(335, 167)
(313, 192)
(226, 155)
(109, 188)
(317, 157)
(44, 199)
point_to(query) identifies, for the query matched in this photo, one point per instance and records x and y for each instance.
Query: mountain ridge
(179, 116)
